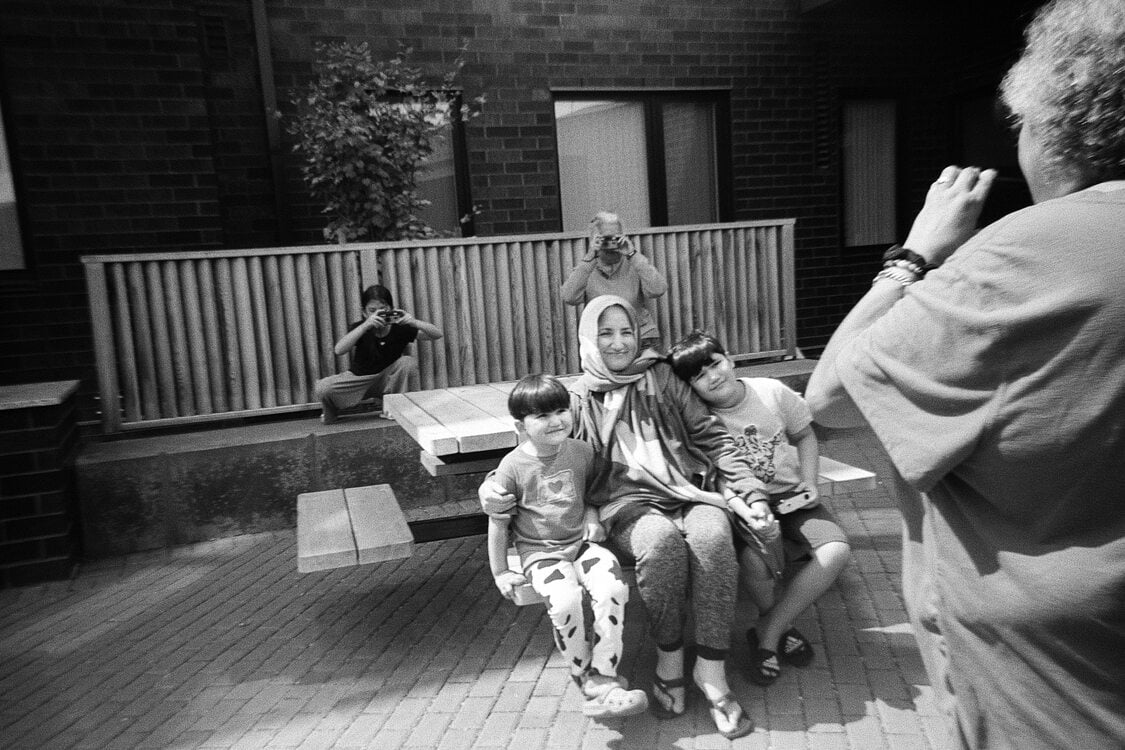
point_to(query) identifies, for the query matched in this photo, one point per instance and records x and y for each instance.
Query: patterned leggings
(561, 583)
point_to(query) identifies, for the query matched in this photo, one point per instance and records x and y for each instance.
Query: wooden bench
(352, 526)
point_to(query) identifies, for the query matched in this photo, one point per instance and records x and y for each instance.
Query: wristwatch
(898, 252)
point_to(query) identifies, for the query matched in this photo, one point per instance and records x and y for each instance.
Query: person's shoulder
(581, 448)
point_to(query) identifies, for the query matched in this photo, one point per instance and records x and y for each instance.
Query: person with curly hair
(991, 366)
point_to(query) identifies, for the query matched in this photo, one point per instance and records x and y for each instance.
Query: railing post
(104, 349)
(788, 288)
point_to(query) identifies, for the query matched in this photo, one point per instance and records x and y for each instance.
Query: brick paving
(225, 645)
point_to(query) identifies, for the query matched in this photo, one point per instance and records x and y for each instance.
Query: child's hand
(507, 581)
(594, 532)
(759, 516)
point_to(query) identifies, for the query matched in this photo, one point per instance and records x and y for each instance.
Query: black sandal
(794, 648)
(764, 666)
(662, 686)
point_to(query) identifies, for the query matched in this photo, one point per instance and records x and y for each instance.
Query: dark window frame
(652, 100)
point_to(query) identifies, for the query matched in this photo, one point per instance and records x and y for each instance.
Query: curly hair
(1069, 86)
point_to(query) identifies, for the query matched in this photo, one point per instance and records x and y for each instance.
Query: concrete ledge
(146, 493)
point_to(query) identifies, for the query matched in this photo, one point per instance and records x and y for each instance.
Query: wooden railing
(202, 335)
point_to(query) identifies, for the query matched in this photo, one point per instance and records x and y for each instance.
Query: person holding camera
(613, 266)
(377, 344)
(772, 427)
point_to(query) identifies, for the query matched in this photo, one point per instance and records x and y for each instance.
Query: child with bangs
(551, 479)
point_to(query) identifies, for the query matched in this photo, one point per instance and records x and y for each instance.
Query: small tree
(362, 129)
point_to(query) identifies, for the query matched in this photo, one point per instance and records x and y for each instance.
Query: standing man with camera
(377, 344)
(613, 266)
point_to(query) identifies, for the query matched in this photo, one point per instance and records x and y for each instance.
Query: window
(870, 191)
(11, 242)
(442, 179)
(655, 159)
(446, 186)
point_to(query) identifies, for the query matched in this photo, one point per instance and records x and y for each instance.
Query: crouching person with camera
(772, 426)
(377, 343)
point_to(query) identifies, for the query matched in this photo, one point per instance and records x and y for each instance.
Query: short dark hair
(537, 394)
(376, 293)
(692, 353)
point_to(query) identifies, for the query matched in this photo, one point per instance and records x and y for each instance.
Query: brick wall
(140, 125)
(38, 505)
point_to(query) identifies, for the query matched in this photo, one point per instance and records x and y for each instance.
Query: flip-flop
(794, 648)
(727, 707)
(612, 701)
(764, 666)
(661, 686)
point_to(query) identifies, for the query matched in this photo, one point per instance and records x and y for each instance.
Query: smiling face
(547, 430)
(617, 340)
(716, 383)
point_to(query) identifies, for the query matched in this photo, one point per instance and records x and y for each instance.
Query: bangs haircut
(691, 354)
(537, 394)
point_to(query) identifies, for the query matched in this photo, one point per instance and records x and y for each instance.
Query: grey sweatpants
(681, 558)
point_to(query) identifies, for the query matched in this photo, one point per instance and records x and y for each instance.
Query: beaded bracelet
(910, 266)
(895, 274)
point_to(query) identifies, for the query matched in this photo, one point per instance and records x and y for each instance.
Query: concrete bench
(352, 526)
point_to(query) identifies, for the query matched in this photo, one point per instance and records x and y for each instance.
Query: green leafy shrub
(362, 128)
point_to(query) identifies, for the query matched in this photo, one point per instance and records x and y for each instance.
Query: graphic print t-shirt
(760, 425)
(551, 497)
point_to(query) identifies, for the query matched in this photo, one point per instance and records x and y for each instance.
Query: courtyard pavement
(224, 645)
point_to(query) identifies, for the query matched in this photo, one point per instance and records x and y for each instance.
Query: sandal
(659, 708)
(764, 666)
(612, 701)
(728, 708)
(794, 648)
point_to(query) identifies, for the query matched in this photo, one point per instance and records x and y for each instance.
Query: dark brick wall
(38, 505)
(140, 125)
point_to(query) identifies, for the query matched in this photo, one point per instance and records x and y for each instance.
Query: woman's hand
(949, 216)
(494, 498)
(405, 318)
(507, 581)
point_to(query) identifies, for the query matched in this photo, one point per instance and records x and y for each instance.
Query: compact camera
(611, 241)
(392, 316)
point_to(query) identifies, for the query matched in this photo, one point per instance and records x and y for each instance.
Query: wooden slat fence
(204, 335)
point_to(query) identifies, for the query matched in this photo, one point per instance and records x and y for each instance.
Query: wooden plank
(474, 428)
(127, 356)
(426, 430)
(261, 332)
(378, 524)
(843, 477)
(209, 307)
(104, 350)
(488, 399)
(460, 463)
(177, 331)
(324, 532)
(161, 342)
(196, 339)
